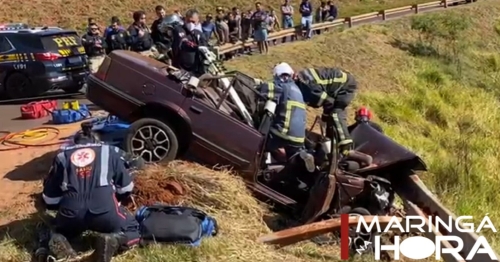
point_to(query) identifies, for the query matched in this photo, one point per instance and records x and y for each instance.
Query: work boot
(60, 247)
(106, 246)
(308, 160)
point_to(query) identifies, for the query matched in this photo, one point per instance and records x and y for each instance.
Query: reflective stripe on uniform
(322, 81)
(62, 160)
(338, 126)
(322, 98)
(103, 175)
(51, 200)
(270, 91)
(340, 131)
(290, 105)
(125, 189)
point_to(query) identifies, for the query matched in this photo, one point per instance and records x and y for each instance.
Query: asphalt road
(10, 115)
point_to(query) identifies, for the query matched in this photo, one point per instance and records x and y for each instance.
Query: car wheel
(153, 140)
(75, 89)
(18, 85)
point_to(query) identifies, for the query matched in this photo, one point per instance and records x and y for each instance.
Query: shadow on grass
(415, 49)
(24, 233)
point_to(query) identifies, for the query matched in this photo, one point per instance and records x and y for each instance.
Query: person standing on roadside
(237, 18)
(114, 20)
(156, 35)
(260, 25)
(287, 15)
(116, 37)
(306, 10)
(140, 36)
(95, 47)
(208, 27)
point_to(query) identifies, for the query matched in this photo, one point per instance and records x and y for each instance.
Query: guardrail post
(349, 21)
(416, 8)
(384, 15)
(445, 2)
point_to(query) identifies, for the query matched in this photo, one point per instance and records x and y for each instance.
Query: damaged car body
(217, 120)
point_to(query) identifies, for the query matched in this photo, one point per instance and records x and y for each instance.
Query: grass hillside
(436, 93)
(74, 14)
(435, 89)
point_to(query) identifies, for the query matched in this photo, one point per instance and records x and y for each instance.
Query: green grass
(444, 106)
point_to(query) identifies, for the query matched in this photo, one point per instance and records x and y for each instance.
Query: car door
(6, 60)
(220, 139)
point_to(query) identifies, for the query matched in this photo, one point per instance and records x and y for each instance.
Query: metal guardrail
(383, 15)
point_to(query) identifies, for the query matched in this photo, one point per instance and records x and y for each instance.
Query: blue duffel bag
(67, 116)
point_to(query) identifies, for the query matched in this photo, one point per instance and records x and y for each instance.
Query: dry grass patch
(74, 14)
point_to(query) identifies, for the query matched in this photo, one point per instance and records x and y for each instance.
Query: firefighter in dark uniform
(364, 115)
(333, 89)
(85, 184)
(187, 41)
(289, 123)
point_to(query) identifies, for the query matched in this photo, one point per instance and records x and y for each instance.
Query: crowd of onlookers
(230, 25)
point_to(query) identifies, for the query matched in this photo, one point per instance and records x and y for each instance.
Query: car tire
(18, 86)
(151, 131)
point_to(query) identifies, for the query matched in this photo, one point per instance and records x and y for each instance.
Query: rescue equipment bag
(174, 224)
(66, 116)
(38, 109)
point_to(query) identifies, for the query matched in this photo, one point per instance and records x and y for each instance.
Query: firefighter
(364, 115)
(289, 124)
(85, 184)
(187, 42)
(95, 47)
(333, 89)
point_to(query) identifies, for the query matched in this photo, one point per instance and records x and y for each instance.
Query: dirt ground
(22, 170)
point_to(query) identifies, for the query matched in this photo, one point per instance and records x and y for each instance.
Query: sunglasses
(94, 29)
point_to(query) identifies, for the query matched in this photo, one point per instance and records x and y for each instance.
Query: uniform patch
(83, 157)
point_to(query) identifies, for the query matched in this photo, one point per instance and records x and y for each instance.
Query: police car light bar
(13, 26)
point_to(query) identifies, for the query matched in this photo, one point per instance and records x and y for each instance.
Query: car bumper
(61, 80)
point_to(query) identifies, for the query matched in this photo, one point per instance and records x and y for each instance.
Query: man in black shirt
(95, 47)
(140, 36)
(156, 34)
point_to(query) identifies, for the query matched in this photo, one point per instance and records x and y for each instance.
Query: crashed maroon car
(219, 120)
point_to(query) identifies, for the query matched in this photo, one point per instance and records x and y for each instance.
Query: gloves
(345, 149)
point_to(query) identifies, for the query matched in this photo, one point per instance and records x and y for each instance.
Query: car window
(5, 45)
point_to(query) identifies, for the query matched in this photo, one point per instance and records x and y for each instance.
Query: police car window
(5, 45)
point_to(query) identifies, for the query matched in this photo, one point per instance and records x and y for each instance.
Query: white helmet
(282, 68)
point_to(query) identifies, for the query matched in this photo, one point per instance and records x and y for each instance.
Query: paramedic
(95, 47)
(289, 124)
(84, 185)
(333, 89)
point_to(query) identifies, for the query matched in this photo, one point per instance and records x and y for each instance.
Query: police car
(34, 60)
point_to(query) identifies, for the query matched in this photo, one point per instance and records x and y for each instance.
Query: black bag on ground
(175, 224)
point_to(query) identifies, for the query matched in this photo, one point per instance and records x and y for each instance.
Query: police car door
(219, 137)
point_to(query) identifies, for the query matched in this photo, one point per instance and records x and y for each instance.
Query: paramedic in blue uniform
(85, 184)
(288, 129)
(333, 89)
